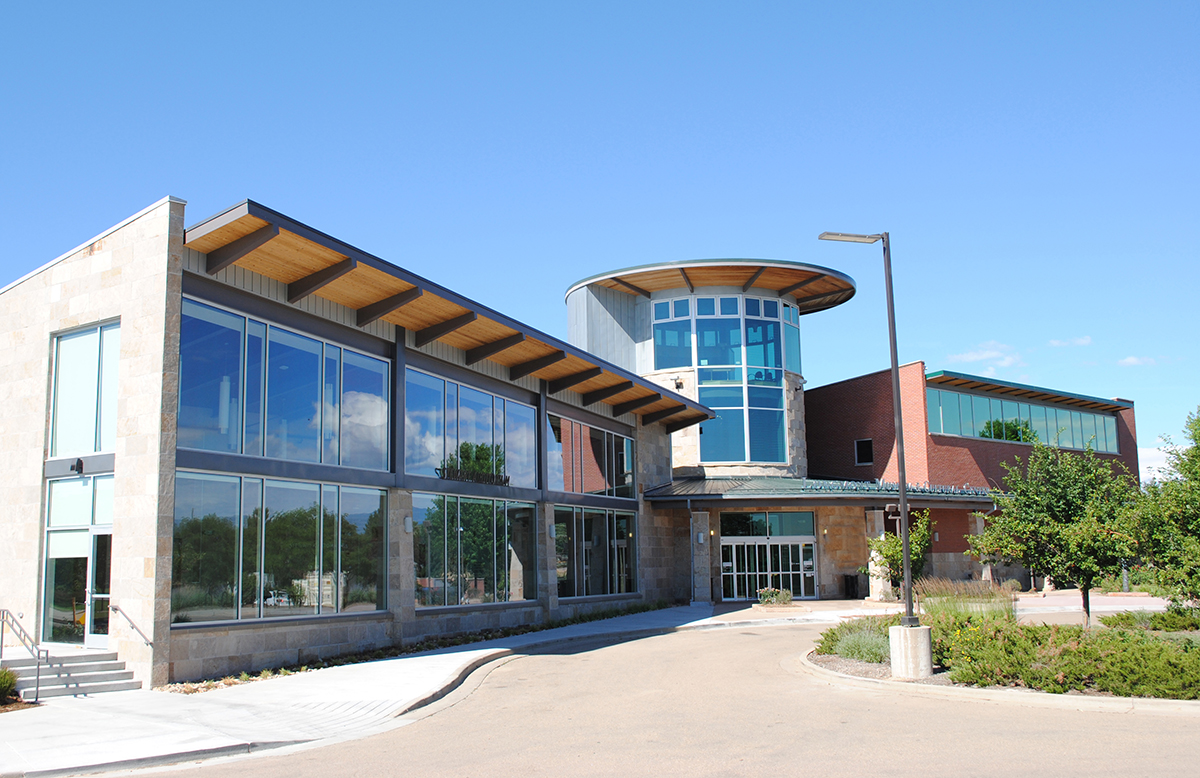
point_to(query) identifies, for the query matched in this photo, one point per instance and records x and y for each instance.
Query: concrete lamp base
(912, 654)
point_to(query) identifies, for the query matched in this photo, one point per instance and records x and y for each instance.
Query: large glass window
(248, 548)
(589, 460)
(596, 551)
(246, 387)
(459, 433)
(85, 391)
(971, 415)
(469, 551)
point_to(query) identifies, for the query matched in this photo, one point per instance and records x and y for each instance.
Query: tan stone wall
(841, 549)
(131, 273)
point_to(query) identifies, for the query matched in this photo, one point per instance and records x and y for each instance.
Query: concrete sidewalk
(124, 730)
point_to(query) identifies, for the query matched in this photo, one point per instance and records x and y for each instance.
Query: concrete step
(53, 671)
(76, 690)
(78, 679)
(83, 657)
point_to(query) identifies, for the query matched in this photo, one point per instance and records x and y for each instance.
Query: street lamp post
(909, 619)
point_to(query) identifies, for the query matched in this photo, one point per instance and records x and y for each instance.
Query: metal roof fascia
(700, 263)
(1028, 388)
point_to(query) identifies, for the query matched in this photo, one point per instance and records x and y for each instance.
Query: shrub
(865, 647)
(772, 596)
(877, 625)
(964, 598)
(1173, 620)
(8, 684)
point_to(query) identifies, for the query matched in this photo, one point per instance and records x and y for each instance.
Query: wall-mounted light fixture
(408, 524)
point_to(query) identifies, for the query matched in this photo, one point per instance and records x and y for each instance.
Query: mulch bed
(875, 670)
(12, 705)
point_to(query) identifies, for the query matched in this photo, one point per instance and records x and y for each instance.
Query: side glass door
(99, 590)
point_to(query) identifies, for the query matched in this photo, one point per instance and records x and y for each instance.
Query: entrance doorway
(783, 563)
(75, 606)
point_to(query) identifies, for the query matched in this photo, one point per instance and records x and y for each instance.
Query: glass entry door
(75, 606)
(750, 564)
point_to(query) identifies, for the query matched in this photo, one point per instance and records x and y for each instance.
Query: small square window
(681, 307)
(662, 311)
(864, 453)
(770, 309)
(706, 306)
(729, 306)
(752, 307)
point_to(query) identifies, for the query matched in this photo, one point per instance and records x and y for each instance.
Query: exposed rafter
(369, 313)
(495, 347)
(298, 290)
(219, 259)
(650, 418)
(633, 405)
(534, 365)
(746, 286)
(801, 285)
(816, 298)
(675, 427)
(433, 332)
(606, 392)
(566, 382)
(688, 281)
(632, 288)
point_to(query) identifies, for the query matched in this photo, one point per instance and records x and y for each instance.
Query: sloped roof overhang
(949, 380)
(813, 287)
(744, 492)
(309, 262)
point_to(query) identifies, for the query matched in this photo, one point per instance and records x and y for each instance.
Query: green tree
(1169, 518)
(1012, 429)
(1064, 515)
(889, 549)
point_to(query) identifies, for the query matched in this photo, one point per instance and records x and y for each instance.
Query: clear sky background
(1036, 164)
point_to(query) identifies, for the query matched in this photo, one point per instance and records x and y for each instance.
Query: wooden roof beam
(566, 382)
(369, 313)
(650, 418)
(819, 297)
(298, 290)
(676, 426)
(606, 392)
(632, 288)
(688, 281)
(435, 331)
(495, 347)
(746, 286)
(633, 405)
(219, 259)
(801, 285)
(534, 365)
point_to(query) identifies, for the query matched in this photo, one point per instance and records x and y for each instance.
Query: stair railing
(7, 617)
(146, 640)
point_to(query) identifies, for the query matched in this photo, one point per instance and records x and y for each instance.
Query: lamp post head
(849, 237)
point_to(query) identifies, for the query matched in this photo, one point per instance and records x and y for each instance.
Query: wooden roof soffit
(818, 297)
(369, 313)
(650, 418)
(801, 285)
(219, 259)
(534, 365)
(495, 347)
(688, 281)
(746, 286)
(601, 394)
(566, 382)
(632, 288)
(298, 290)
(433, 332)
(625, 407)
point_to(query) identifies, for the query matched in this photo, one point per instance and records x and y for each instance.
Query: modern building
(726, 332)
(959, 430)
(245, 443)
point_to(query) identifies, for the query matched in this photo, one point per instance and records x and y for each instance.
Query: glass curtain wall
(470, 551)
(252, 388)
(742, 347)
(588, 460)
(595, 551)
(247, 548)
(976, 416)
(458, 432)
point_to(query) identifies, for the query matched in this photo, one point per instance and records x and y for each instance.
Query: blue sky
(1035, 163)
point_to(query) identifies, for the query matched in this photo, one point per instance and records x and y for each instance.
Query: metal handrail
(39, 654)
(116, 608)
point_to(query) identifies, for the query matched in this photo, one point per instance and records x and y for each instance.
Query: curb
(161, 760)
(1024, 697)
